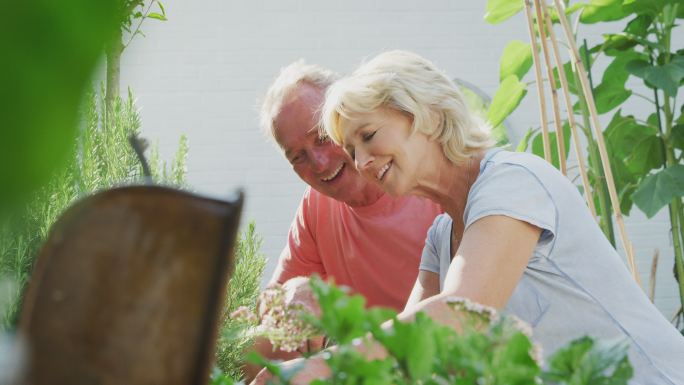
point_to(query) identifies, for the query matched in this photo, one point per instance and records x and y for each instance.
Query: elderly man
(345, 228)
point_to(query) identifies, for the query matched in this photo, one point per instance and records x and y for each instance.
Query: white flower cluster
(281, 322)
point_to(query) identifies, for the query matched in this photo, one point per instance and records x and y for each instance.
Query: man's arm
(427, 285)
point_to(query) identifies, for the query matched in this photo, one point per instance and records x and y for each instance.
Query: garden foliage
(646, 152)
(102, 158)
(490, 349)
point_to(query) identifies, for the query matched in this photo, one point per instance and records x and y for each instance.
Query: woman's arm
(486, 268)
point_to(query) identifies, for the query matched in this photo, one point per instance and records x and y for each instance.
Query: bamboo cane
(540, 86)
(560, 137)
(588, 195)
(610, 182)
(654, 270)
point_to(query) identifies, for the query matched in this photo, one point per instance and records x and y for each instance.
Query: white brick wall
(201, 73)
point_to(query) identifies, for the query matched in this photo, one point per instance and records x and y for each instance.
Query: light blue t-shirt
(575, 283)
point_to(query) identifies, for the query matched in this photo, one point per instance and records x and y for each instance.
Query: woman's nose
(362, 160)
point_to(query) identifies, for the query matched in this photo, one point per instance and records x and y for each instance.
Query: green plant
(645, 152)
(243, 290)
(103, 158)
(50, 53)
(130, 16)
(490, 349)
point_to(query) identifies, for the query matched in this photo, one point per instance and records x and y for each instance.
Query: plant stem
(676, 210)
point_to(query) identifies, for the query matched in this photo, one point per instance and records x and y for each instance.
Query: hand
(306, 370)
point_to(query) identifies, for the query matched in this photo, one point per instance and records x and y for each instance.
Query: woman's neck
(448, 183)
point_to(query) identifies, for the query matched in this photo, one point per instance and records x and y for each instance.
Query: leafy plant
(103, 158)
(50, 52)
(130, 16)
(646, 153)
(490, 349)
(243, 290)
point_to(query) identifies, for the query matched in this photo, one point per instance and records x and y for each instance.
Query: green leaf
(678, 136)
(659, 189)
(666, 77)
(478, 103)
(161, 7)
(603, 10)
(618, 42)
(155, 15)
(538, 144)
(507, 98)
(51, 51)
(635, 148)
(524, 142)
(585, 361)
(569, 76)
(639, 25)
(610, 95)
(500, 10)
(568, 11)
(515, 60)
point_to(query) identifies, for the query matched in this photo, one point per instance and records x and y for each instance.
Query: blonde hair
(407, 82)
(287, 80)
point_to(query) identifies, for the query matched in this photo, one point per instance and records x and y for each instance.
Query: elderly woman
(528, 244)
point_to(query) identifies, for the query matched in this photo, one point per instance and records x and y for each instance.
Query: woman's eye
(367, 137)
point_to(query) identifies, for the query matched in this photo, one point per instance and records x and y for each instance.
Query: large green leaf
(637, 146)
(50, 50)
(666, 77)
(515, 60)
(500, 10)
(659, 189)
(507, 98)
(603, 10)
(611, 92)
(610, 95)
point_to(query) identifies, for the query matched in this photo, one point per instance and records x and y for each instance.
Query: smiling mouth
(381, 173)
(334, 174)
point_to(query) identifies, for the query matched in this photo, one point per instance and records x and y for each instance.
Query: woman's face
(384, 150)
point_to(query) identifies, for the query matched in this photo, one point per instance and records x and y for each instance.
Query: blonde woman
(528, 245)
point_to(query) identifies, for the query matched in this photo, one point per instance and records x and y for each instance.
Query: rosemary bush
(243, 290)
(102, 158)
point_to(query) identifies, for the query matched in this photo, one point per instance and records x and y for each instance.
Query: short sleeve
(429, 260)
(514, 191)
(300, 257)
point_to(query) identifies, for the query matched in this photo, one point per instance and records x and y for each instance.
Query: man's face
(320, 163)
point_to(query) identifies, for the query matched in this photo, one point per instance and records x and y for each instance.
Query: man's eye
(297, 159)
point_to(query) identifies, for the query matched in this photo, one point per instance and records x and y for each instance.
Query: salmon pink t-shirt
(375, 249)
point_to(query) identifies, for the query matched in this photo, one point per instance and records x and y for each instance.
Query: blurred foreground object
(128, 288)
(50, 51)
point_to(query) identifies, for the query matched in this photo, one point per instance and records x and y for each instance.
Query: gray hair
(287, 80)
